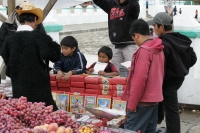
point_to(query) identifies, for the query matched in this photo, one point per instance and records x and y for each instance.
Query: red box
(105, 92)
(92, 86)
(105, 87)
(91, 80)
(54, 88)
(65, 85)
(103, 80)
(118, 80)
(62, 80)
(77, 78)
(119, 87)
(91, 91)
(76, 89)
(64, 89)
(117, 93)
(78, 84)
(52, 77)
(53, 83)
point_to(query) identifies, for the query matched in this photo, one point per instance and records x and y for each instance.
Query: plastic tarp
(59, 4)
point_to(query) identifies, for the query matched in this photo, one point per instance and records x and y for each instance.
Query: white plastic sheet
(59, 4)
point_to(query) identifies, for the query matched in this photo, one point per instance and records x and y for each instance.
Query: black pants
(170, 104)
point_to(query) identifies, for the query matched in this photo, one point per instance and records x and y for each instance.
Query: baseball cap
(161, 18)
(20, 3)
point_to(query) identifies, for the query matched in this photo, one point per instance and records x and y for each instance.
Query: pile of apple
(54, 128)
(21, 116)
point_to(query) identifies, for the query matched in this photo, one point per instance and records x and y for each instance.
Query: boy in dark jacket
(72, 60)
(121, 13)
(179, 57)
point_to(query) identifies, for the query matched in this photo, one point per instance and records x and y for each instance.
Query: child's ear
(73, 49)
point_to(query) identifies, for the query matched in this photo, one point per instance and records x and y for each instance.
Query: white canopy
(59, 4)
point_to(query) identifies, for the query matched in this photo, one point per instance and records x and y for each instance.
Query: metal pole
(11, 6)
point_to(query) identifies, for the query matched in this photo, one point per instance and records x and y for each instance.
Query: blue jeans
(145, 119)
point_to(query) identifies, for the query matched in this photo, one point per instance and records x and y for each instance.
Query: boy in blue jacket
(72, 60)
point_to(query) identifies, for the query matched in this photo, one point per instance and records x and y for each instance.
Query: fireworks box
(78, 84)
(63, 85)
(118, 80)
(54, 95)
(65, 89)
(117, 93)
(119, 87)
(63, 101)
(52, 77)
(92, 86)
(53, 83)
(91, 91)
(54, 88)
(77, 78)
(90, 101)
(63, 80)
(104, 101)
(105, 87)
(119, 104)
(92, 80)
(76, 102)
(76, 89)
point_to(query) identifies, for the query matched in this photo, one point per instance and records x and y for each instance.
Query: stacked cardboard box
(77, 83)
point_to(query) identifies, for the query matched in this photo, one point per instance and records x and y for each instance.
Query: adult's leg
(128, 52)
(117, 56)
(160, 113)
(170, 103)
(145, 119)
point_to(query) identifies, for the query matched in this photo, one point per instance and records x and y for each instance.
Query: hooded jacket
(9, 26)
(179, 55)
(75, 63)
(120, 17)
(145, 78)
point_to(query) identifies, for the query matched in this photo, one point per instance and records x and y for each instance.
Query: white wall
(189, 92)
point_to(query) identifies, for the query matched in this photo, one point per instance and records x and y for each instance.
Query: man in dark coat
(24, 54)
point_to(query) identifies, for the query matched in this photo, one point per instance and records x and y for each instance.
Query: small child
(144, 84)
(104, 56)
(72, 60)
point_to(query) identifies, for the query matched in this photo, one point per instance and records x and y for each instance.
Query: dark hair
(69, 41)
(166, 27)
(29, 17)
(139, 26)
(106, 50)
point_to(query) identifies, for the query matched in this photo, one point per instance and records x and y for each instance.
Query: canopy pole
(11, 6)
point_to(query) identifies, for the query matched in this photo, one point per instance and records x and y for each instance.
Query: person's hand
(91, 70)
(133, 111)
(102, 73)
(59, 75)
(129, 69)
(67, 75)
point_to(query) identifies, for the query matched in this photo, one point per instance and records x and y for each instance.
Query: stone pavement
(92, 36)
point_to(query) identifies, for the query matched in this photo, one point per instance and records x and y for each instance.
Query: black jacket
(120, 17)
(24, 53)
(179, 55)
(75, 63)
(9, 26)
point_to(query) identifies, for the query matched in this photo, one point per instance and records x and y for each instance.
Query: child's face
(67, 51)
(103, 58)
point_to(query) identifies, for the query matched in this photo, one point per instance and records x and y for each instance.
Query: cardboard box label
(119, 105)
(103, 102)
(63, 101)
(90, 101)
(76, 103)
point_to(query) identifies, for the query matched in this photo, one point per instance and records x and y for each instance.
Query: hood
(178, 41)
(121, 4)
(155, 45)
(11, 18)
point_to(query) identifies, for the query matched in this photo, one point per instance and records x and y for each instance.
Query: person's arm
(134, 8)
(90, 69)
(193, 57)
(57, 67)
(3, 34)
(6, 56)
(139, 79)
(81, 64)
(104, 4)
(113, 72)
